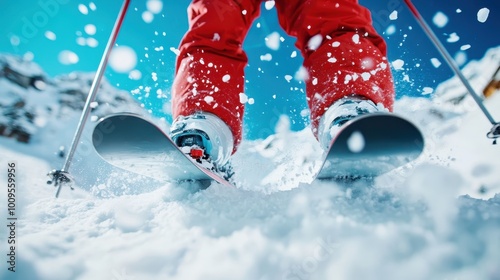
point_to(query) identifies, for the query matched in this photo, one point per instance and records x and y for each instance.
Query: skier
(348, 72)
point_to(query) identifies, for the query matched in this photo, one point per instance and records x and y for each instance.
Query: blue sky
(45, 28)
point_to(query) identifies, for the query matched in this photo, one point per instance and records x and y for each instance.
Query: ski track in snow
(436, 219)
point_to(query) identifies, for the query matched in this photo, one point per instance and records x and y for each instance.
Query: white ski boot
(205, 138)
(341, 112)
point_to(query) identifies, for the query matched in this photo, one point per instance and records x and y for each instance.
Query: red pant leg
(210, 67)
(346, 56)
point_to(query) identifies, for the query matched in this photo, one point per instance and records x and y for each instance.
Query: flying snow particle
(83, 9)
(435, 62)
(243, 98)
(68, 57)
(251, 101)
(40, 85)
(269, 5)
(81, 41)
(315, 42)
(355, 38)
(288, 78)
(92, 6)
(335, 44)
(465, 47)
(92, 42)
(301, 74)
(28, 56)
(273, 41)
(147, 16)
(440, 19)
(135, 75)
(294, 54)
(391, 29)
(366, 76)
(15, 40)
(90, 29)
(154, 6)
(427, 90)
(482, 15)
(226, 78)
(398, 64)
(453, 38)
(266, 57)
(175, 51)
(460, 58)
(393, 15)
(356, 142)
(122, 59)
(368, 63)
(50, 35)
(209, 99)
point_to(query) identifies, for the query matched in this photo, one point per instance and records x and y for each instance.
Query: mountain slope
(430, 220)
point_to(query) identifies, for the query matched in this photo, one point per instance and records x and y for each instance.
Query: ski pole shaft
(449, 60)
(94, 88)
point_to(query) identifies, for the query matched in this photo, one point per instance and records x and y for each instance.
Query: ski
(371, 145)
(134, 144)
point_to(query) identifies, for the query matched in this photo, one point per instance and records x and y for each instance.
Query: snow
(147, 16)
(90, 29)
(122, 59)
(482, 15)
(243, 98)
(356, 142)
(440, 19)
(398, 64)
(91, 42)
(83, 9)
(391, 29)
(465, 47)
(435, 62)
(393, 15)
(154, 6)
(453, 38)
(67, 57)
(273, 41)
(266, 57)
(269, 4)
(50, 35)
(315, 42)
(135, 75)
(438, 218)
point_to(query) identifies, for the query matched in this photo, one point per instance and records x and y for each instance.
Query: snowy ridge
(43, 111)
(436, 219)
(478, 73)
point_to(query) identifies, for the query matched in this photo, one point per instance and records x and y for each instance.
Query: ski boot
(205, 138)
(341, 112)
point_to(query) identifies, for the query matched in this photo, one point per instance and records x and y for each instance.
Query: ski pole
(495, 131)
(60, 177)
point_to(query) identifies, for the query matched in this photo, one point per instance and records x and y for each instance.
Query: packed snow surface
(438, 218)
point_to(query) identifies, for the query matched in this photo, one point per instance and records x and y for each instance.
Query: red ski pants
(342, 53)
